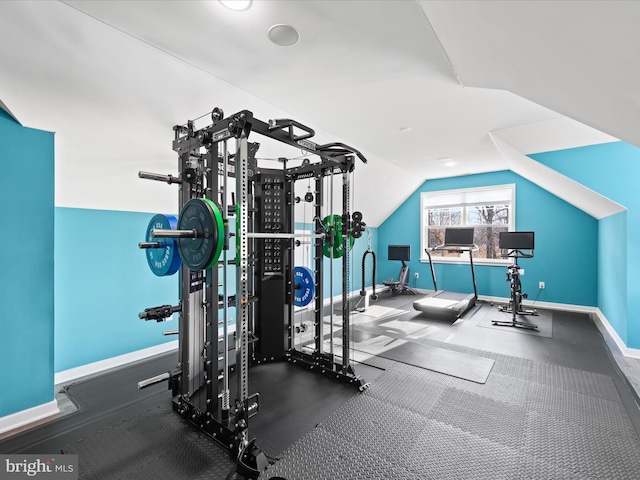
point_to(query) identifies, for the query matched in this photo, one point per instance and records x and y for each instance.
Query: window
(489, 210)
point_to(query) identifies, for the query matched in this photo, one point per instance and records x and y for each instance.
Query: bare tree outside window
(488, 222)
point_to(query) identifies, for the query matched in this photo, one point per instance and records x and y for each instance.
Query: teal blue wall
(611, 169)
(102, 283)
(355, 271)
(26, 276)
(565, 254)
(360, 246)
(612, 269)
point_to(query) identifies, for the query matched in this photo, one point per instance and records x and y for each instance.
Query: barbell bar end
(160, 233)
(151, 245)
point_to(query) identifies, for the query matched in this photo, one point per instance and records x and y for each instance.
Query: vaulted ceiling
(425, 89)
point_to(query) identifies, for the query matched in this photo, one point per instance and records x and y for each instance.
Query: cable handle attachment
(363, 292)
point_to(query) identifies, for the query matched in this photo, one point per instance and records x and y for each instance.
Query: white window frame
(427, 200)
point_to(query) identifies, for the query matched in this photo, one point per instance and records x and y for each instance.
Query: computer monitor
(516, 240)
(458, 236)
(399, 252)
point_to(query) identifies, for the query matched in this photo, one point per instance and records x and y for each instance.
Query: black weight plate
(203, 216)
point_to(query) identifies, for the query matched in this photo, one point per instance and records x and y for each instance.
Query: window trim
(464, 258)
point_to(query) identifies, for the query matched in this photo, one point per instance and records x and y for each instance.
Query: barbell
(197, 237)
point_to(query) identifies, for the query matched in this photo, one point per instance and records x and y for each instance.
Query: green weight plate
(217, 214)
(334, 222)
(203, 216)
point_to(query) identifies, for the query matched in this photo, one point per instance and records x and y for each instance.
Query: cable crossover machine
(259, 280)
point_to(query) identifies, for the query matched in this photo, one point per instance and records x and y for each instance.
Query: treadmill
(450, 306)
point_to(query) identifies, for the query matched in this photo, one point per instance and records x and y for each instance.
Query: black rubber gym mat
(531, 420)
(449, 362)
(156, 445)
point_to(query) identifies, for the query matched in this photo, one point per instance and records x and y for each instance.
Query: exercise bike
(515, 243)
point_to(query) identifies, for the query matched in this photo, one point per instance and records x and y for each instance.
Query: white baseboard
(71, 374)
(626, 351)
(30, 415)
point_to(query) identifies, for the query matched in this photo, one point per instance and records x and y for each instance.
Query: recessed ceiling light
(447, 162)
(237, 5)
(405, 129)
(283, 35)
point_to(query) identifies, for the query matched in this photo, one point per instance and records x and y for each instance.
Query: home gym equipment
(515, 244)
(236, 196)
(400, 253)
(444, 305)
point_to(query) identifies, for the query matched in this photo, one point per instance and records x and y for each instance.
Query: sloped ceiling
(578, 58)
(418, 87)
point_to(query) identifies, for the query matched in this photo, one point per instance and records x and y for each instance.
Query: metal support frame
(346, 307)
(243, 253)
(320, 360)
(200, 383)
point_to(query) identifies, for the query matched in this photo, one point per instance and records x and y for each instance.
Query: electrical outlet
(417, 275)
(541, 285)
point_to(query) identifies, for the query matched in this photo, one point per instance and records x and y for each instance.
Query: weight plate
(203, 216)
(334, 222)
(304, 281)
(165, 260)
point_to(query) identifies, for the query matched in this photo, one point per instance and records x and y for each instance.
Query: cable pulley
(357, 225)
